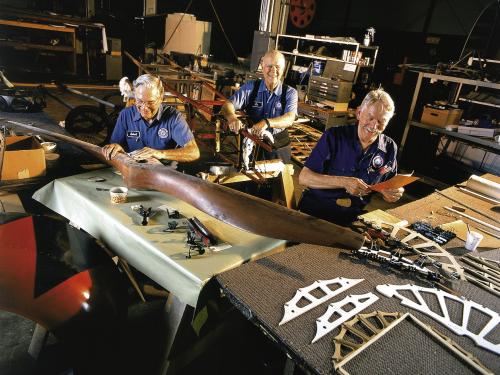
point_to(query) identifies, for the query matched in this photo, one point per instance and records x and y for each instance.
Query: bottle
(366, 41)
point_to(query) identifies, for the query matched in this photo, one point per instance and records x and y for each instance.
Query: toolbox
(329, 89)
(327, 117)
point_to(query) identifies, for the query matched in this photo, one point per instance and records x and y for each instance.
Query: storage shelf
(479, 102)
(320, 40)
(472, 140)
(296, 43)
(33, 33)
(20, 45)
(487, 144)
(30, 25)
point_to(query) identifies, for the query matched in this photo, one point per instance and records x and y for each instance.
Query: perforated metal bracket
(292, 310)
(443, 316)
(360, 302)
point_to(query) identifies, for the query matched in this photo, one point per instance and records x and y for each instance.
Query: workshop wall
(239, 20)
(402, 28)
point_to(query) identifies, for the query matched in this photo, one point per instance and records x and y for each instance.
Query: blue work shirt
(339, 153)
(167, 131)
(267, 104)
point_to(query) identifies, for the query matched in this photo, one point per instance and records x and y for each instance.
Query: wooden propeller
(238, 209)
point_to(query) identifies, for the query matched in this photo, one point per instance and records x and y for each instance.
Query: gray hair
(274, 53)
(379, 96)
(149, 81)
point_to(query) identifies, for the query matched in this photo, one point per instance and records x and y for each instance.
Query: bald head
(273, 67)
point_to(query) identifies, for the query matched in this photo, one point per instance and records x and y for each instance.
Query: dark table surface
(261, 288)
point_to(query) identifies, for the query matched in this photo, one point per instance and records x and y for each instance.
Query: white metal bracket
(443, 316)
(292, 310)
(360, 302)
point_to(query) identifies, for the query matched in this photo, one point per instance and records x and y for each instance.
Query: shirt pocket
(336, 170)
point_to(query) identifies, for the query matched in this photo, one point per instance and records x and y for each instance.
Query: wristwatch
(267, 123)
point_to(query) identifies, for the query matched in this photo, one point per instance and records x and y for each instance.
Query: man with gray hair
(152, 128)
(270, 104)
(347, 159)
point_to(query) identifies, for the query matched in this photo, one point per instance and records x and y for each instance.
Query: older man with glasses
(347, 159)
(270, 104)
(152, 128)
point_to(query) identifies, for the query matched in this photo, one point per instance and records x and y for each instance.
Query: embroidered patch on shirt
(377, 162)
(163, 133)
(133, 134)
(384, 169)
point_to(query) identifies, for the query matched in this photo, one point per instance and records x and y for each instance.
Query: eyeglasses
(151, 104)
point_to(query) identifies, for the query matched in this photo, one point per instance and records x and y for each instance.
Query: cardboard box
(440, 117)
(24, 157)
(191, 36)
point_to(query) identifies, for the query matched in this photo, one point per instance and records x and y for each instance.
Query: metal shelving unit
(27, 30)
(301, 42)
(486, 144)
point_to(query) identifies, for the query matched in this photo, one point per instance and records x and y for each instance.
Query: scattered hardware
(292, 310)
(172, 225)
(398, 261)
(355, 333)
(96, 179)
(145, 213)
(324, 324)
(436, 234)
(399, 238)
(173, 214)
(198, 237)
(443, 315)
(368, 334)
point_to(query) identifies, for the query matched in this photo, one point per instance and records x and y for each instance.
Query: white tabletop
(159, 255)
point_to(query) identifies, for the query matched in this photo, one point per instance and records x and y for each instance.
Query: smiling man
(347, 159)
(270, 104)
(152, 128)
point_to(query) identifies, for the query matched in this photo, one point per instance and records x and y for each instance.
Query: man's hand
(109, 151)
(147, 153)
(234, 124)
(392, 195)
(259, 128)
(356, 186)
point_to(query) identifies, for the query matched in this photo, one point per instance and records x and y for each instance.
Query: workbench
(159, 255)
(260, 289)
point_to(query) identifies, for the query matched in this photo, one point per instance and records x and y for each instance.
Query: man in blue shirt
(270, 104)
(347, 159)
(152, 128)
